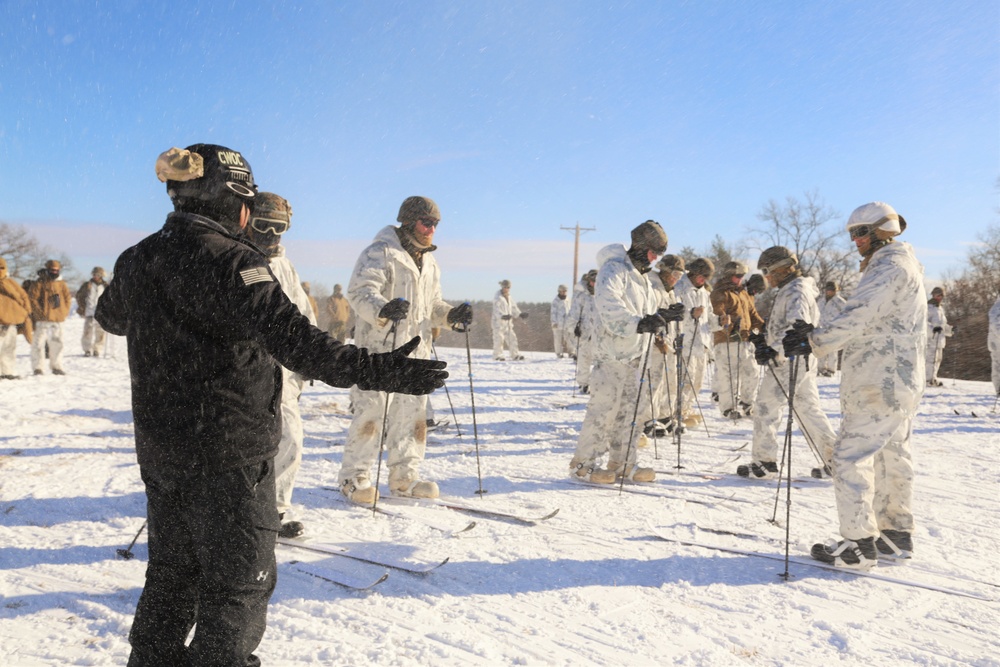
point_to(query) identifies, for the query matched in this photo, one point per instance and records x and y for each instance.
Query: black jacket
(206, 321)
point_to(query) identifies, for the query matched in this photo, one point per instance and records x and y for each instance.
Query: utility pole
(576, 250)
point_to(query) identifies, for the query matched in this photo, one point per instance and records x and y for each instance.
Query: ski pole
(576, 359)
(729, 367)
(635, 414)
(472, 397)
(792, 372)
(126, 554)
(678, 424)
(385, 421)
(652, 413)
(448, 394)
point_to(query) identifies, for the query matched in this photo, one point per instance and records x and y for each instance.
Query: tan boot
(643, 441)
(359, 490)
(590, 471)
(417, 488)
(637, 474)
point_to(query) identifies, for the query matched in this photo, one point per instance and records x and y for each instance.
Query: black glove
(506, 317)
(650, 324)
(461, 314)
(796, 340)
(395, 372)
(673, 313)
(395, 310)
(757, 339)
(764, 354)
(576, 331)
(524, 316)
(56, 301)
(937, 329)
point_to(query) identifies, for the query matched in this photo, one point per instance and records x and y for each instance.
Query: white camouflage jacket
(559, 315)
(622, 296)
(937, 318)
(383, 272)
(883, 334)
(664, 299)
(692, 297)
(795, 300)
(830, 308)
(503, 306)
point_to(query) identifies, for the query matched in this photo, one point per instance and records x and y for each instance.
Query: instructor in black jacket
(207, 325)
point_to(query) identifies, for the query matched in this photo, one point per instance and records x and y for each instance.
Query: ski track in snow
(590, 586)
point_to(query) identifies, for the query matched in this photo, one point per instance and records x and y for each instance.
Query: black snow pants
(211, 565)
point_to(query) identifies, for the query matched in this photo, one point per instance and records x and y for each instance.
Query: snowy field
(593, 585)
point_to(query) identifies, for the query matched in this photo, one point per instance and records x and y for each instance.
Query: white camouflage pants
(828, 363)
(50, 332)
(93, 336)
(560, 341)
(289, 456)
(584, 360)
(934, 355)
(736, 374)
(8, 349)
(406, 436)
(504, 336)
(613, 391)
(694, 362)
(873, 474)
(770, 413)
(662, 370)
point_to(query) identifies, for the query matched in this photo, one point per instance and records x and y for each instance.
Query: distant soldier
(339, 311)
(697, 325)
(504, 311)
(829, 307)
(15, 317)
(583, 319)
(994, 343)
(736, 374)
(50, 305)
(559, 317)
(937, 330)
(86, 305)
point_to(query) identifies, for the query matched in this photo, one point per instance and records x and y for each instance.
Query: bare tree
(968, 299)
(807, 228)
(25, 255)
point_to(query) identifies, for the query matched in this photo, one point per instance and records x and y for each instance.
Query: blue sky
(517, 117)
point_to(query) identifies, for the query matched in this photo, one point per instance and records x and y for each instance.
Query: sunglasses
(429, 224)
(269, 225)
(861, 230)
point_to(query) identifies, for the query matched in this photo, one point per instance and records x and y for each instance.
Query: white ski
(354, 580)
(344, 552)
(459, 505)
(809, 562)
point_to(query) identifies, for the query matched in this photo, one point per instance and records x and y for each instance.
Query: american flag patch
(257, 275)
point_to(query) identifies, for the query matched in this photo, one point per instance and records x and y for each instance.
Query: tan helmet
(776, 257)
(701, 267)
(650, 236)
(734, 268)
(670, 263)
(418, 208)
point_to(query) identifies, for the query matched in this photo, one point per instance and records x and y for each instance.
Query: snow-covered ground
(593, 585)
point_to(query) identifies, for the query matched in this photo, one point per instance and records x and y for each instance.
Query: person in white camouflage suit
(795, 300)
(504, 311)
(627, 314)
(938, 330)
(659, 418)
(994, 343)
(829, 307)
(699, 321)
(583, 319)
(272, 217)
(396, 283)
(559, 317)
(882, 331)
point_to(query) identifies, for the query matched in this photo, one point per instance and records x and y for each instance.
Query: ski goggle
(860, 230)
(428, 223)
(269, 225)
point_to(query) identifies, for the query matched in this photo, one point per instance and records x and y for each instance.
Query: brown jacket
(733, 300)
(15, 307)
(50, 300)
